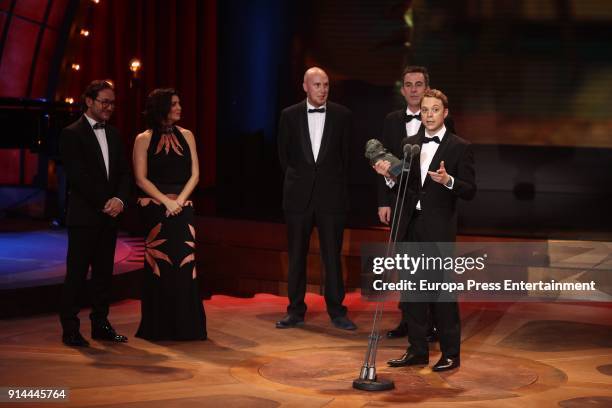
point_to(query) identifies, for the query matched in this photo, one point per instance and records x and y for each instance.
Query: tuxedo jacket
(88, 186)
(322, 183)
(438, 203)
(394, 133)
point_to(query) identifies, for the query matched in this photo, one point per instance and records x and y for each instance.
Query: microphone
(410, 151)
(407, 150)
(415, 149)
(375, 151)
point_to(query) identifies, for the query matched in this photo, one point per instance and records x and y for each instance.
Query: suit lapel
(89, 137)
(305, 134)
(401, 129)
(112, 157)
(327, 131)
(421, 128)
(419, 140)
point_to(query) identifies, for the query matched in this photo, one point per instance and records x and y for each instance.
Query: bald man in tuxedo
(313, 150)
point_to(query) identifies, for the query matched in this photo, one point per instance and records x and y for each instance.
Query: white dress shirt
(101, 136)
(316, 123)
(414, 125)
(428, 151)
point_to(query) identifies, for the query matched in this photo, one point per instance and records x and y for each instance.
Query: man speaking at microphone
(399, 125)
(442, 173)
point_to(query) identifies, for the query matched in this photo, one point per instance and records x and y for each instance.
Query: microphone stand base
(379, 384)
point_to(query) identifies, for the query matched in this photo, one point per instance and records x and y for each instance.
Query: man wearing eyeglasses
(98, 186)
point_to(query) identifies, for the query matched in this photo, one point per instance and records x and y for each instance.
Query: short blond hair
(435, 93)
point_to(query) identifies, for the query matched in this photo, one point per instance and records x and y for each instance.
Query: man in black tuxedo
(399, 125)
(99, 186)
(442, 173)
(313, 149)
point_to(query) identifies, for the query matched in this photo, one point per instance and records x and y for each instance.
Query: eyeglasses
(435, 110)
(106, 103)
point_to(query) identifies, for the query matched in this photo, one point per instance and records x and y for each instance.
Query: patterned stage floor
(514, 355)
(38, 257)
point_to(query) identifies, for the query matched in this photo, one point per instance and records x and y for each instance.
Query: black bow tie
(320, 110)
(410, 117)
(99, 125)
(431, 139)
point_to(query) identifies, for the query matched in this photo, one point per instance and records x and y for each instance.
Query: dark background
(529, 83)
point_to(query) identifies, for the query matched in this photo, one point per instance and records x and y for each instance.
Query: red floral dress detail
(171, 305)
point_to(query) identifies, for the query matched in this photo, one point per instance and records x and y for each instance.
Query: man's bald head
(316, 86)
(313, 71)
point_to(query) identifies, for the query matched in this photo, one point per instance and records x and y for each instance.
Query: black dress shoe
(106, 332)
(447, 363)
(408, 359)
(343, 322)
(74, 340)
(432, 336)
(290, 321)
(400, 331)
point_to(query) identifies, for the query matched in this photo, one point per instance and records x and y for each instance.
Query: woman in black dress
(166, 170)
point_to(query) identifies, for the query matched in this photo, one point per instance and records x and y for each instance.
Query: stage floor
(514, 355)
(38, 257)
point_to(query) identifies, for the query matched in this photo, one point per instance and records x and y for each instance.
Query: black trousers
(95, 247)
(417, 314)
(299, 228)
(431, 323)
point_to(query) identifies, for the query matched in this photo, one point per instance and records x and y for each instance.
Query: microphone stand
(368, 380)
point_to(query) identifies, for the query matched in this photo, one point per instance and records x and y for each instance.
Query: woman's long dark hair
(157, 107)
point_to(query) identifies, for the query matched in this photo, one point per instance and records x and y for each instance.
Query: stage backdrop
(175, 42)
